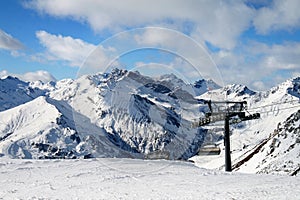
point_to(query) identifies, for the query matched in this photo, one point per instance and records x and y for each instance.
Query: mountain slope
(24, 129)
(44, 128)
(258, 145)
(126, 114)
(117, 114)
(280, 152)
(140, 114)
(14, 92)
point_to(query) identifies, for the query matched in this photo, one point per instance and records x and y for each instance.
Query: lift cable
(226, 111)
(273, 104)
(279, 109)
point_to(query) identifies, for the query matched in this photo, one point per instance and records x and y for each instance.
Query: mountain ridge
(126, 114)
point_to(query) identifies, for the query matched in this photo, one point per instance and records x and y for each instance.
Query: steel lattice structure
(229, 112)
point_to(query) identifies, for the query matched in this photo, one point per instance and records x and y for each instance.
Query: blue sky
(252, 42)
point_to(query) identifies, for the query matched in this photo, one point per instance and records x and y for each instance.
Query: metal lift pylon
(225, 111)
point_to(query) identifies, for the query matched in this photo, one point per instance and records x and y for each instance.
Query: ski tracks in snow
(134, 179)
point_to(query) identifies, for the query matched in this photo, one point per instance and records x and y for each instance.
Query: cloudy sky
(253, 42)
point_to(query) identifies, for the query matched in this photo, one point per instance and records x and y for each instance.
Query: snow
(115, 178)
(125, 114)
(276, 106)
(14, 92)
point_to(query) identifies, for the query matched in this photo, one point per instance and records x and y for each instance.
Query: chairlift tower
(229, 112)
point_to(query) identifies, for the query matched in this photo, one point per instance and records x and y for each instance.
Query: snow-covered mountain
(279, 153)
(14, 92)
(126, 114)
(232, 92)
(32, 129)
(269, 144)
(277, 146)
(120, 114)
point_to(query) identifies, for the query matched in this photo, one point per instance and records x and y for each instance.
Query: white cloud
(76, 53)
(178, 66)
(58, 47)
(191, 56)
(16, 53)
(167, 39)
(296, 74)
(156, 69)
(100, 61)
(259, 85)
(255, 61)
(7, 42)
(218, 22)
(278, 56)
(40, 75)
(155, 37)
(283, 14)
(221, 24)
(3, 73)
(43, 76)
